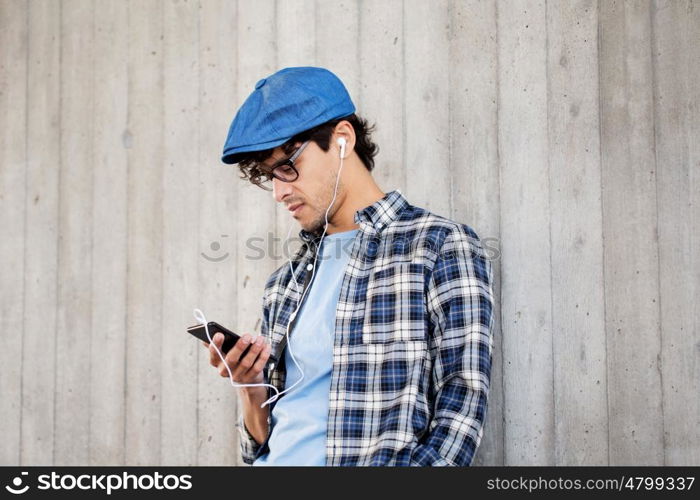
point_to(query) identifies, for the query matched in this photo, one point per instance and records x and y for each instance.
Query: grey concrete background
(565, 133)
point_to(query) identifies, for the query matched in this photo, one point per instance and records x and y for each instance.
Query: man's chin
(314, 227)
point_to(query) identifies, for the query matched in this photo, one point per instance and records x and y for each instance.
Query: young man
(388, 359)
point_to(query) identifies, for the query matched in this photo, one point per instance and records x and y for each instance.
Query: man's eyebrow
(286, 156)
(274, 163)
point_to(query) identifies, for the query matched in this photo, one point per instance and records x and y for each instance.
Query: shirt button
(309, 267)
(379, 225)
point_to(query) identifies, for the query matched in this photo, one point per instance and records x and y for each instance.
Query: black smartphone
(230, 338)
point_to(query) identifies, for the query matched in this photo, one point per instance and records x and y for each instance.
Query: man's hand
(247, 369)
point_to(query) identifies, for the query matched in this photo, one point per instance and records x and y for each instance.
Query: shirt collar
(376, 216)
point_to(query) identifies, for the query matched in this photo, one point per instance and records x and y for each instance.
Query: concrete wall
(565, 133)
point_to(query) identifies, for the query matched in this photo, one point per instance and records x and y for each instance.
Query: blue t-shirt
(300, 416)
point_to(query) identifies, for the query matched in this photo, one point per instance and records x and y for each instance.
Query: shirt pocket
(396, 305)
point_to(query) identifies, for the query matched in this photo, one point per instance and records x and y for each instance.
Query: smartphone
(230, 338)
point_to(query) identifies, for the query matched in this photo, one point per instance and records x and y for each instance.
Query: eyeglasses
(284, 170)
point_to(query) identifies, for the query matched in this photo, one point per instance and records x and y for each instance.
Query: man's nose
(280, 189)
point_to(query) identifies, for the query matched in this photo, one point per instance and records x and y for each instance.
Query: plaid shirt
(413, 339)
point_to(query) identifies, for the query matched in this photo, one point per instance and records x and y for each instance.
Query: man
(387, 360)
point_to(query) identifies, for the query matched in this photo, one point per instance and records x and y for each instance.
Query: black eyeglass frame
(289, 162)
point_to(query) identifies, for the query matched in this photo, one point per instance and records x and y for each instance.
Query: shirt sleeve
(249, 447)
(460, 306)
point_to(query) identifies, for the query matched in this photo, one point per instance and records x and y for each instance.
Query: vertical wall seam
(58, 225)
(161, 81)
(404, 158)
(599, 38)
(92, 230)
(316, 32)
(654, 93)
(161, 100)
(127, 239)
(504, 460)
(199, 218)
(450, 114)
(24, 229)
(549, 210)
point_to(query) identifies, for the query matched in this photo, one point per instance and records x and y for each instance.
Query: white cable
(313, 273)
(199, 316)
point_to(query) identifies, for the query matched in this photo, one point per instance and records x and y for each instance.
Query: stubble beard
(321, 203)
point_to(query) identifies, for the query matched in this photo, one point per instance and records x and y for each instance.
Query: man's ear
(345, 129)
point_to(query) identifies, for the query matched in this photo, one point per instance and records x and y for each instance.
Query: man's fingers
(262, 359)
(242, 367)
(234, 354)
(217, 340)
(247, 361)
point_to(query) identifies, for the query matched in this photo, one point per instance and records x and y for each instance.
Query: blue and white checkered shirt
(413, 339)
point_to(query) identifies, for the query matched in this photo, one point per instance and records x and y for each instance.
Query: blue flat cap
(284, 104)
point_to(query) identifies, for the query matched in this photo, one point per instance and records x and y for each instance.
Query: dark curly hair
(249, 163)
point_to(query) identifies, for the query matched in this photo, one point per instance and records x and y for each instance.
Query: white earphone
(341, 141)
(202, 319)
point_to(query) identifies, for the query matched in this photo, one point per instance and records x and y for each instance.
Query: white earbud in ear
(341, 143)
